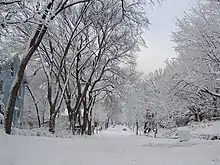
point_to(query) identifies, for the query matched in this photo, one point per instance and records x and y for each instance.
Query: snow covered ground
(111, 147)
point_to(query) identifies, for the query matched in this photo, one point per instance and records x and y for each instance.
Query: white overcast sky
(157, 38)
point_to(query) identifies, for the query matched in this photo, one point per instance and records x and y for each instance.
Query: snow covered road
(108, 148)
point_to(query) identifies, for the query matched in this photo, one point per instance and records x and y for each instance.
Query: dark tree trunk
(196, 115)
(137, 127)
(36, 107)
(85, 121)
(90, 129)
(43, 118)
(70, 114)
(74, 123)
(155, 133)
(71, 127)
(52, 124)
(52, 119)
(107, 123)
(85, 117)
(11, 104)
(79, 122)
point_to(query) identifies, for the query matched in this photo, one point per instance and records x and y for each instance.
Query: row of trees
(82, 53)
(188, 87)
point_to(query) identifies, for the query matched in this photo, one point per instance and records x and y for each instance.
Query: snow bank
(42, 132)
(184, 134)
(204, 130)
(208, 131)
(63, 133)
(209, 127)
(61, 130)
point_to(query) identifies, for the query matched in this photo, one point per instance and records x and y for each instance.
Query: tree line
(187, 89)
(83, 50)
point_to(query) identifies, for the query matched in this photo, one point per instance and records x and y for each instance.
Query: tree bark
(52, 119)
(52, 124)
(90, 127)
(79, 122)
(74, 123)
(137, 127)
(85, 122)
(107, 123)
(69, 109)
(85, 117)
(35, 104)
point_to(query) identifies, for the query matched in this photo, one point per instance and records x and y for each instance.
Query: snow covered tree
(32, 22)
(197, 44)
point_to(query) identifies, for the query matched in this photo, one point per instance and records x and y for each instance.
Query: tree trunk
(71, 127)
(85, 117)
(90, 129)
(70, 114)
(74, 123)
(107, 123)
(52, 124)
(35, 103)
(43, 118)
(197, 118)
(11, 104)
(52, 119)
(137, 127)
(79, 122)
(85, 121)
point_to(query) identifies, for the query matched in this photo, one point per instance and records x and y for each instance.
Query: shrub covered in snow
(204, 130)
(1, 118)
(42, 132)
(207, 136)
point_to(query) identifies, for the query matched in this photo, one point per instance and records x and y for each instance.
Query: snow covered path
(108, 148)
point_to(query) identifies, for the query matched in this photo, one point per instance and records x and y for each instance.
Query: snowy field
(111, 147)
